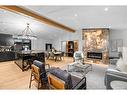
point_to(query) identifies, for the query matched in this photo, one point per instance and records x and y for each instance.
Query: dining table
(58, 55)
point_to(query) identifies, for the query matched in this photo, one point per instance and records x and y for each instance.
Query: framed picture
(114, 45)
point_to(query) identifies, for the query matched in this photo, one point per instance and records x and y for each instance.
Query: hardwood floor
(60, 64)
(12, 77)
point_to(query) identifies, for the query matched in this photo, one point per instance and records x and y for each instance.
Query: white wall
(39, 44)
(67, 36)
(118, 34)
(114, 34)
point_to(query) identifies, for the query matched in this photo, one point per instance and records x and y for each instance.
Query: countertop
(31, 51)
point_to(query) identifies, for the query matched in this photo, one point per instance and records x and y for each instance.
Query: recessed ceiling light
(75, 15)
(106, 9)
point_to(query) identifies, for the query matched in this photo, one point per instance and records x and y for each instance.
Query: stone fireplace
(95, 45)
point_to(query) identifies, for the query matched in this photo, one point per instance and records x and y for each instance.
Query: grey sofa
(70, 82)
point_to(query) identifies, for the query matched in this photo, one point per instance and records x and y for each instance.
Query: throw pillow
(121, 66)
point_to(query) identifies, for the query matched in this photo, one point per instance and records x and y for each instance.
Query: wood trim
(55, 82)
(43, 19)
(95, 28)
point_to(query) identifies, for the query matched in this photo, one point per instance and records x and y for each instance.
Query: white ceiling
(76, 17)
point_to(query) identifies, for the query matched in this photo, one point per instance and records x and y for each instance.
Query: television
(6, 40)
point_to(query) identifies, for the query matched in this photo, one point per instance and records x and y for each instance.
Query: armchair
(79, 57)
(59, 79)
(112, 74)
(117, 72)
(38, 73)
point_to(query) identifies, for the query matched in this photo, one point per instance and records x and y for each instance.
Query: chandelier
(27, 34)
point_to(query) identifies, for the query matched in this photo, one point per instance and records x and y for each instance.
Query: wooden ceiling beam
(43, 19)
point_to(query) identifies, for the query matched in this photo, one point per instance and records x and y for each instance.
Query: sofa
(114, 78)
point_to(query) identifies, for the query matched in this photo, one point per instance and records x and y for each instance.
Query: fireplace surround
(96, 44)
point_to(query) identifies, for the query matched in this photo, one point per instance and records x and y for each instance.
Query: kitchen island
(7, 56)
(24, 59)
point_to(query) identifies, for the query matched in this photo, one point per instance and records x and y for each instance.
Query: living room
(99, 36)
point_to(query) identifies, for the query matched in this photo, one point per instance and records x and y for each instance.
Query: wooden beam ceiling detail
(43, 19)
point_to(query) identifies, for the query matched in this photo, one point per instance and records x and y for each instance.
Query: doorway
(48, 46)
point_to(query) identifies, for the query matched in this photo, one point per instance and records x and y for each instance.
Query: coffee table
(79, 68)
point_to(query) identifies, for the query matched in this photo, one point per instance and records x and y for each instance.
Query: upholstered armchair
(111, 75)
(38, 73)
(60, 79)
(116, 74)
(79, 57)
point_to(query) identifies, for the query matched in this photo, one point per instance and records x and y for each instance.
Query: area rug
(95, 78)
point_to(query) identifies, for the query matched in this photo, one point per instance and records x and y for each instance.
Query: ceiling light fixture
(27, 34)
(106, 9)
(75, 15)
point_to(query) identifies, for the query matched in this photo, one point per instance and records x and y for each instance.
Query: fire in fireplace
(94, 55)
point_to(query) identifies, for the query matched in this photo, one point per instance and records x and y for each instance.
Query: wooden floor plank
(12, 77)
